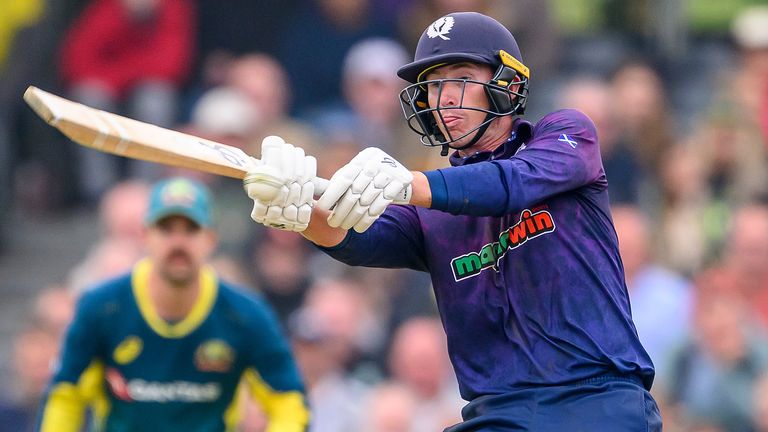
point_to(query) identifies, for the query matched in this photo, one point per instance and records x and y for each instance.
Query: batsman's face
(178, 248)
(455, 121)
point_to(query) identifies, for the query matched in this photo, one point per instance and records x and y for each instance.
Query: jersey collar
(522, 130)
(193, 320)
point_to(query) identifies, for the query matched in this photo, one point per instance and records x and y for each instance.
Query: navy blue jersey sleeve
(562, 155)
(394, 241)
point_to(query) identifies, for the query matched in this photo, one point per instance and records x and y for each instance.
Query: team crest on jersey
(531, 225)
(440, 28)
(214, 355)
(127, 350)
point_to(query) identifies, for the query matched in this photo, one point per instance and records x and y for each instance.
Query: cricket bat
(115, 134)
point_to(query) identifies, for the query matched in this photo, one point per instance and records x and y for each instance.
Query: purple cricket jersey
(524, 261)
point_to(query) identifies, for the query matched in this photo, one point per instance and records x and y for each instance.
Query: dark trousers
(607, 403)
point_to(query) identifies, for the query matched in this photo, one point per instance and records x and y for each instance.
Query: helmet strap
(480, 131)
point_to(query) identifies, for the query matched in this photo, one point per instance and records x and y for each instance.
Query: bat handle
(267, 191)
(321, 185)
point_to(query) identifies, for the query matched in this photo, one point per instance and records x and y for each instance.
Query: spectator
(737, 173)
(314, 42)
(352, 321)
(760, 416)
(644, 117)
(390, 408)
(132, 54)
(264, 81)
(661, 299)
(240, 28)
(105, 259)
(33, 158)
(622, 168)
(52, 309)
(419, 361)
(689, 223)
(746, 254)
(713, 376)
(371, 115)
(225, 114)
(764, 115)
(322, 353)
(34, 351)
(122, 210)
(121, 216)
(251, 103)
(277, 261)
(17, 15)
(6, 188)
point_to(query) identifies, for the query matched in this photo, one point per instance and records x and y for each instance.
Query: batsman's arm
(422, 192)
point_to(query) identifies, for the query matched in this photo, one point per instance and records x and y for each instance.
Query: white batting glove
(360, 191)
(281, 187)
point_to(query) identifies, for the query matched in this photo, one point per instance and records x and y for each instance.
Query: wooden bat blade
(122, 136)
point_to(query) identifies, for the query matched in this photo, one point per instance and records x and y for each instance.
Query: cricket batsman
(516, 234)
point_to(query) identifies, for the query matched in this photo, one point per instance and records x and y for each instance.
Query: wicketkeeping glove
(360, 191)
(281, 186)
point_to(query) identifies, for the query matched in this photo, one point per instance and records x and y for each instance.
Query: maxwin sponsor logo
(531, 225)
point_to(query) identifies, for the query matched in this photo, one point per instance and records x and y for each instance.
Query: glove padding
(281, 186)
(360, 191)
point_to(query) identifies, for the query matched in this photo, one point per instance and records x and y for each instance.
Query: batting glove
(281, 186)
(360, 191)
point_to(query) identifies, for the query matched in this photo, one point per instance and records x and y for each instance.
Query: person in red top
(764, 115)
(129, 56)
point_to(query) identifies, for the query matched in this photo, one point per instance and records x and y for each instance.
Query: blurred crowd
(678, 92)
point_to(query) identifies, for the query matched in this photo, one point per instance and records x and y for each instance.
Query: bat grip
(321, 185)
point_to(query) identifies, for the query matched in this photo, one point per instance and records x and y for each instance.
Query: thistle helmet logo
(440, 28)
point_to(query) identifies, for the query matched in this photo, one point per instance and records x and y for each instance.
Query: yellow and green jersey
(138, 372)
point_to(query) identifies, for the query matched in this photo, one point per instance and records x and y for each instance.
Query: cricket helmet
(464, 37)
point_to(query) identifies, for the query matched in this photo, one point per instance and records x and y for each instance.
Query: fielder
(516, 234)
(165, 347)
